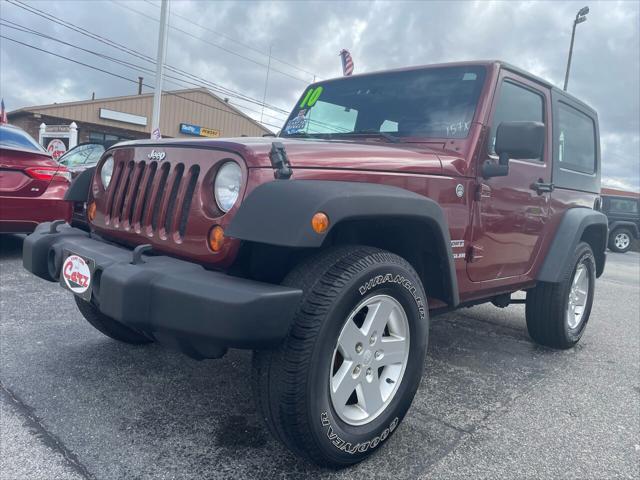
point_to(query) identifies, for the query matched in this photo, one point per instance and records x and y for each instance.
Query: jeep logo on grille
(154, 155)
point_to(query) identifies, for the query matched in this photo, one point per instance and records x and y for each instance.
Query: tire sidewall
(583, 255)
(347, 443)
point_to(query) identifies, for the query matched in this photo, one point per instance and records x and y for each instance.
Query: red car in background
(32, 184)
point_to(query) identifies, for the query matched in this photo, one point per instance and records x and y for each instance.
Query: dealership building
(185, 113)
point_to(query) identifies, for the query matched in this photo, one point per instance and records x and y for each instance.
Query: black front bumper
(176, 302)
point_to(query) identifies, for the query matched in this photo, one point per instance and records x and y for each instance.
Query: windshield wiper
(296, 134)
(374, 133)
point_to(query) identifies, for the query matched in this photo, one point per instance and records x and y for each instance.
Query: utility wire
(130, 51)
(231, 39)
(128, 79)
(124, 63)
(212, 43)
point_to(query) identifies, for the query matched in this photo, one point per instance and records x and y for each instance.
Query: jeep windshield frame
(432, 103)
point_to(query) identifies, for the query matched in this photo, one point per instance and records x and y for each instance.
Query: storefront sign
(56, 148)
(57, 139)
(189, 129)
(123, 117)
(57, 129)
(198, 131)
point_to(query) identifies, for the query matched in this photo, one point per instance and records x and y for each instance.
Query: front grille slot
(151, 173)
(178, 171)
(188, 197)
(158, 200)
(122, 190)
(114, 187)
(134, 192)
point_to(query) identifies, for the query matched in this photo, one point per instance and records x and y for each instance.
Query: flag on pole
(3, 114)
(347, 62)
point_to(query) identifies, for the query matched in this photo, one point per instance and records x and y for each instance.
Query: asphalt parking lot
(78, 405)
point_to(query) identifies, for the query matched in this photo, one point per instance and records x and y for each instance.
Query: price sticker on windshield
(311, 97)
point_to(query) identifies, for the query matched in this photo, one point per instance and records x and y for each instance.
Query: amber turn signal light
(216, 238)
(91, 211)
(320, 222)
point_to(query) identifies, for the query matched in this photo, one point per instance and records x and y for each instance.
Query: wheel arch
(279, 214)
(632, 227)
(578, 224)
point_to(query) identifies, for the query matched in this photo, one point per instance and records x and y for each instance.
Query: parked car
(623, 213)
(32, 184)
(77, 160)
(388, 198)
(81, 157)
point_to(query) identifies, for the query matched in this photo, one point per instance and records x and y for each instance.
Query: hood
(364, 154)
(337, 154)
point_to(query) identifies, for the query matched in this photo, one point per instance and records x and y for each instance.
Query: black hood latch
(280, 161)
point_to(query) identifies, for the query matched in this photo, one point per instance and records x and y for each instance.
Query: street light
(581, 16)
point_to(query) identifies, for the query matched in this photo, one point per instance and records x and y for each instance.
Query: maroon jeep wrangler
(387, 198)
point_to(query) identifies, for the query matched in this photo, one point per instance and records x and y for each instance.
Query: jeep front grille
(151, 198)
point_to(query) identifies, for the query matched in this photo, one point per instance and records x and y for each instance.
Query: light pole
(581, 16)
(162, 49)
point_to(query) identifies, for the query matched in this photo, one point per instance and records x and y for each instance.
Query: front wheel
(557, 313)
(344, 378)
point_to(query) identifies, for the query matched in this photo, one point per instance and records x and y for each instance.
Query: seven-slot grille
(151, 197)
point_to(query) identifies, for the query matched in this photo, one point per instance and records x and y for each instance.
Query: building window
(104, 138)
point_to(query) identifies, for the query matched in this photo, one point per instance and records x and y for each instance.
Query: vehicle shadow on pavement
(149, 412)
(10, 246)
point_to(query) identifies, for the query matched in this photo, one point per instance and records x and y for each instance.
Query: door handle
(541, 187)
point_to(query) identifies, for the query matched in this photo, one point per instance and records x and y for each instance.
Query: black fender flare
(78, 191)
(571, 230)
(279, 213)
(626, 224)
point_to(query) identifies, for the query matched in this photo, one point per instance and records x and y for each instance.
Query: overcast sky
(232, 51)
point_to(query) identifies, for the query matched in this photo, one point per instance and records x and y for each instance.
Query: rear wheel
(620, 240)
(557, 313)
(344, 378)
(107, 325)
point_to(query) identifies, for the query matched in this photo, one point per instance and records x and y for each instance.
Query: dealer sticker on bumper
(76, 275)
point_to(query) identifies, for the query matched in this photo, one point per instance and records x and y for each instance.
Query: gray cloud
(533, 35)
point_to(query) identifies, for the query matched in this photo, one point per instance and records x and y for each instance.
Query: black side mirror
(519, 140)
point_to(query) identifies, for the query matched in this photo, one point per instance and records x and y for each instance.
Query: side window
(576, 140)
(623, 205)
(515, 104)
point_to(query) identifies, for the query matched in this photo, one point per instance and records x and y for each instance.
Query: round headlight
(227, 185)
(106, 172)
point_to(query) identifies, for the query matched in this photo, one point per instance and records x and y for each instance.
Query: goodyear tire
(342, 381)
(557, 313)
(107, 325)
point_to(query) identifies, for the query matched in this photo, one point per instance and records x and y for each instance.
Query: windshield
(87, 154)
(435, 102)
(11, 137)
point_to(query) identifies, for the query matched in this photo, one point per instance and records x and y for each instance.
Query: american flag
(3, 113)
(347, 62)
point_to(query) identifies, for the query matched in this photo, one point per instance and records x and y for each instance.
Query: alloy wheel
(622, 241)
(578, 296)
(369, 359)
